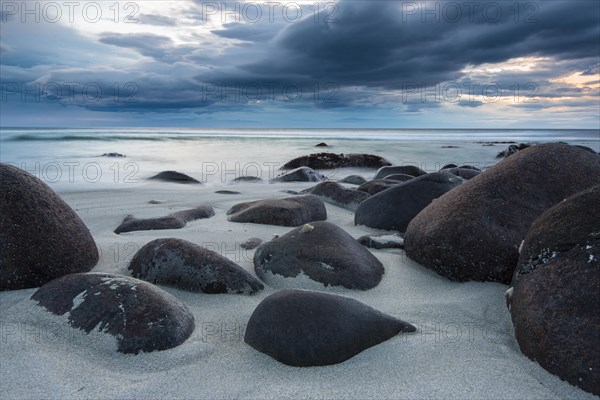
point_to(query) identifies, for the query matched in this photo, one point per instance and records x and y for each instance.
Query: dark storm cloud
(378, 43)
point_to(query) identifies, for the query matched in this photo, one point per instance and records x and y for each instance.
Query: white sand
(465, 347)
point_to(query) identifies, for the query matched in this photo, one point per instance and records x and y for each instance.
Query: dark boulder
(322, 144)
(227, 192)
(377, 185)
(141, 316)
(556, 291)
(320, 251)
(394, 208)
(174, 176)
(353, 180)
(474, 231)
(411, 170)
(247, 179)
(176, 220)
(301, 174)
(334, 193)
(512, 149)
(187, 266)
(333, 161)
(251, 244)
(304, 328)
(41, 237)
(115, 155)
(291, 211)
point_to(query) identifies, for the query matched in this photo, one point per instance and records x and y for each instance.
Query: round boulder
(41, 237)
(316, 255)
(474, 231)
(303, 328)
(411, 170)
(187, 266)
(555, 304)
(291, 211)
(394, 208)
(141, 316)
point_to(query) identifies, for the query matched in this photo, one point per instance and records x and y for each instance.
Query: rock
(334, 193)
(474, 231)
(450, 147)
(382, 241)
(395, 207)
(377, 185)
(353, 180)
(322, 144)
(333, 161)
(448, 166)
(304, 328)
(175, 177)
(291, 211)
(302, 174)
(247, 179)
(555, 296)
(465, 173)
(227, 192)
(112, 155)
(187, 266)
(155, 202)
(399, 169)
(322, 252)
(176, 220)
(141, 316)
(41, 237)
(251, 244)
(294, 192)
(512, 149)
(469, 167)
(398, 177)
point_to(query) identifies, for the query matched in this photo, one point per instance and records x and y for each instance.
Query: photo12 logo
(53, 12)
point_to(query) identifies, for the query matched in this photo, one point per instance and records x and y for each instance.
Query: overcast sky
(371, 64)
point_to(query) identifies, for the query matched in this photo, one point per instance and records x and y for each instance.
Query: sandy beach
(464, 346)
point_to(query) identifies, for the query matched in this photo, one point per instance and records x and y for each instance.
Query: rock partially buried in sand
(303, 328)
(112, 155)
(187, 266)
(399, 169)
(247, 179)
(556, 291)
(334, 193)
(301, 174)
(314, 256)
(227, 192)
(474, 231)
(176, 220)
(394, 208)
(251, 244)
(322, 144)
(141, 316)
(332, 161)
(291, 211)
(175, 177)
(41, 237)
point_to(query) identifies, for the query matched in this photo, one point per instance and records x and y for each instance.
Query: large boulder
(41, 237)
(291, 211)
(353, 180)
(465, 173)
(317, 255)
(334, 193)
(333, 161)
(187, 266)
(474, 231)
(394, 208)
(555, 303)
(412, 170)
(141, 316)
(300, 174)
(304, 328)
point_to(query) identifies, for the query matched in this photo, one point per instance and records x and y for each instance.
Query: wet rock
(302, 174)
(175, 177)
(353, 180)
(291, 211)
(399, 169)
(176, 220)
(333, 161)
(334, 193)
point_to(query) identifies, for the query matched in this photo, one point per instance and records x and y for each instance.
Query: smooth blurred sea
(70, 159)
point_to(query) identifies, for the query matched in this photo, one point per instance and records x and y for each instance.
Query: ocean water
(71, 159)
